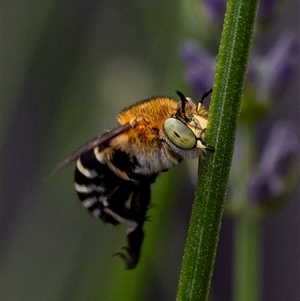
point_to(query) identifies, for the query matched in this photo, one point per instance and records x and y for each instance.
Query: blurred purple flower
(272, 71)
(216, 10)
(283, 58)
(266, 10)
(200, 66)
(281, 150)
(268, 73)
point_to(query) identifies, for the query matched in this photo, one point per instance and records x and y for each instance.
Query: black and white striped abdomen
(94, 183)
(108, 196)
(113, 199)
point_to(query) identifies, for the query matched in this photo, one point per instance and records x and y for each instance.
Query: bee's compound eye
(179, 134)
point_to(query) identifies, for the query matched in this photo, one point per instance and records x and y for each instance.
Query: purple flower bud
(192, 53)
(199, 80)
(216, 10)
(200, 66)
(266, 10)
(283, 59)
(263, 187)
(274, 69)
(281, 150)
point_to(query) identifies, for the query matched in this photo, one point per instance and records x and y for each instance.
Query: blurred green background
(68, 68)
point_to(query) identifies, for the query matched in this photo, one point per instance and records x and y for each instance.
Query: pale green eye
(179, 134)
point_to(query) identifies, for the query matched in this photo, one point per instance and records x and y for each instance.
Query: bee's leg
(209, 148)
(132, 252)
(127, 222)
(201, 144)
(135, 236)
(123, 255)
(204, 147)
(135, 239)
(131, 212)
(135, 233)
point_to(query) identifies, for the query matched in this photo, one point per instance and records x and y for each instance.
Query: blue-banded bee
(115, 170)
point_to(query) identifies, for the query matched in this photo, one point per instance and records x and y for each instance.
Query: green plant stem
(247, 241)
(247, 257)
(208, 206)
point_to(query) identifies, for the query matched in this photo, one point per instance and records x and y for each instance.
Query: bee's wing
(90, 145)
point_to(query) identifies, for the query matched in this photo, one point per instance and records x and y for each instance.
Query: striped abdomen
(114, 199)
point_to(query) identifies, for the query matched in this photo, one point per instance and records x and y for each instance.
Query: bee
(114, 171)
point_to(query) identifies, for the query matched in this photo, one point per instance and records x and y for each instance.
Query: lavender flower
(266, 10)
(269, 73)
(281, 151)
(216, 10)
(200, 66)
(274, 69)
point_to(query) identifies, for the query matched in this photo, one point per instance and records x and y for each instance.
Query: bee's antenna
(205, 94)
(183, 101)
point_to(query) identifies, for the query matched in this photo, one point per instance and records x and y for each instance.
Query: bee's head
(186, 131)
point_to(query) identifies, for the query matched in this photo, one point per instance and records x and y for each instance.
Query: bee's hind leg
(131, 253)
